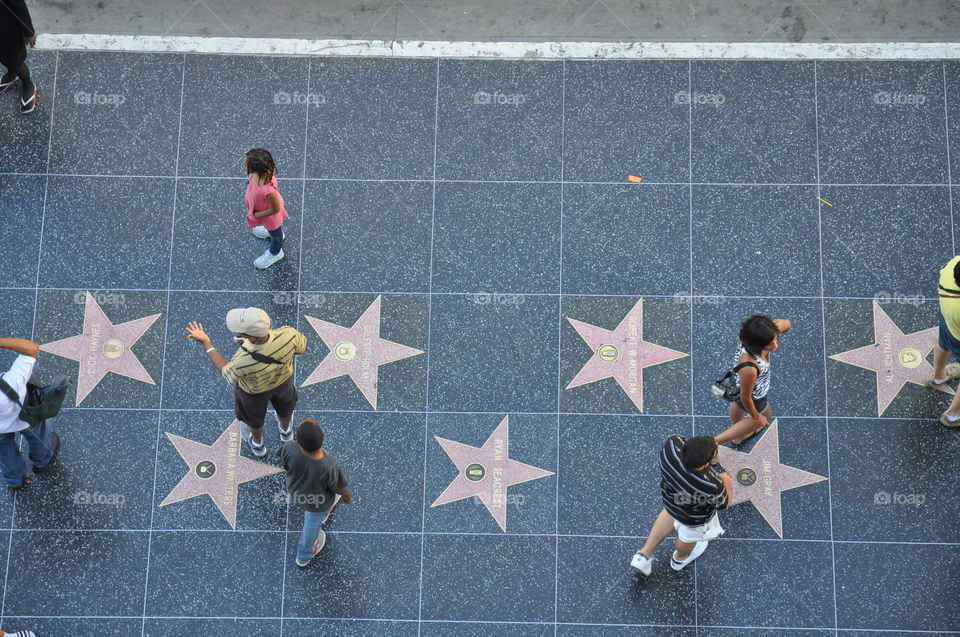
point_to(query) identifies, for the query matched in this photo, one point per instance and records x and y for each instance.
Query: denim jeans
(11, 462)
(276, 240)
(312, 523)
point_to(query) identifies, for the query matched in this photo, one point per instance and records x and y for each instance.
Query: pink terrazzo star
(487, 472)
(357, 351)
(621, 354)
(216, 470)
(896, 358)
(759, 477)
(102, 348)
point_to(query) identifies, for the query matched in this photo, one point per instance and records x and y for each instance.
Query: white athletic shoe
(642, 563)
(266, 259)
(317, 546)
(261, 233)
(258, 450)
(697, 551)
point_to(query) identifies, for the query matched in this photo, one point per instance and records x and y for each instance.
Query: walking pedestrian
(16, 32)
(265, 211)
(948, 343)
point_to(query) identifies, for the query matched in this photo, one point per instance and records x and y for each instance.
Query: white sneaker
(316, 549)
(266, 259)
(642, 563)
(697, 551)
(261, 233)
(258, 450)
(286, 435)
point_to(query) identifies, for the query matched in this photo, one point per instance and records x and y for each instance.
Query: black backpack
(43, 401)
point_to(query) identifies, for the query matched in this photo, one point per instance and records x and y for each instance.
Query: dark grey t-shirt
(310, 482)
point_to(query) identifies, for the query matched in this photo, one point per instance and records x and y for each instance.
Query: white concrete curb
(503, 50)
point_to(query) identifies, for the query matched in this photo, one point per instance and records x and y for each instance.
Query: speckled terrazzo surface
(485, 204)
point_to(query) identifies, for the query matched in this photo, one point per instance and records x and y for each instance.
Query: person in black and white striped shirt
(692, 493)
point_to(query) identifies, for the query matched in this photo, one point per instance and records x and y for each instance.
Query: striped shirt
(254, 377)
(761, 386)
(690, 497)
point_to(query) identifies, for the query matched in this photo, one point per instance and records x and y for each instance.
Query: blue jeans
(11, 462)
(276, 240)
(312, 523)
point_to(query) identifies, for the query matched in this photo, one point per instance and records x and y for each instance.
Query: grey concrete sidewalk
(514, 20)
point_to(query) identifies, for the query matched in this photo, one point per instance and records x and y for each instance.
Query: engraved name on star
(896, 358)
(216, 470)
(487, 472)
(759, 477)
(621, 354)
(357, 352)
(102, 348)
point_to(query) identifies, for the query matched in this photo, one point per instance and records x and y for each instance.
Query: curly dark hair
(260, 161)
(757, 332)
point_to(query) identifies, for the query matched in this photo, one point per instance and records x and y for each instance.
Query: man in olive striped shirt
(261, 370)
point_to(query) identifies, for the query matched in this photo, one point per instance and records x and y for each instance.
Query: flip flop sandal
(953, 373)
(28, 106)
(8, 85)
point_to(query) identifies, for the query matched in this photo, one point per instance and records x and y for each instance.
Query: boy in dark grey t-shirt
(316, 482)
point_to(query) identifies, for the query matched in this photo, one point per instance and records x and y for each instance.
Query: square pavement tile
(626, 631)
(626, 239)
(76, 626)
(489, 578)
(116, 114)
(45, 567)
(193, 382)
(626, 117)
(81, 491)
(400, 385)
(464, 629)
(233, 103)
(884, 240)
(881, 123)
(616, 593)
(852, 390)
(27, 137)
(781, 256)
(260, 503)
(805, 510)
(350, 628)
(753, 122)
(897, 596)
(794, 580)
(225, 627)
(60, 315)
(499, 120)
(494, 353)
(214, 249)
(16, 313)
(195, 574)
(899, 494)
(372, 119)
(610, 478)
(497, 238)
(530, 506)
(367, 236)
(120, 253)
(665, 387)
(354, 566)
(796, 387)
(22, 199)
(381, 454)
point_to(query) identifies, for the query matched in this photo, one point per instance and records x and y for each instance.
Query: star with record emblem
(357, 352)
(216, 470)
(103, 347)
(759, 477)
(621, 354)
(487, 472)
(896, 358)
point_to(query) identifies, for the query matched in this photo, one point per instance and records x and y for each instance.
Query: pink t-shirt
(256, 200)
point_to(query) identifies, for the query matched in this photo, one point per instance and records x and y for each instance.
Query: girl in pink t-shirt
(265, 211)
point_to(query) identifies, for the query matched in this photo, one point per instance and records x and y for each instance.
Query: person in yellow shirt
(949, 340)
(261, 370)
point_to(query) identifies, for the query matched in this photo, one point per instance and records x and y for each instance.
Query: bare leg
(954, 409)
(940, 359)
(256, 434)
(661, 530)
(285, 422)
(683, 549)
(736, 414)
(742, 429)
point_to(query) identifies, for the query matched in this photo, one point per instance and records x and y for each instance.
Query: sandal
(953, 373)
(4, 86)
(28, 106)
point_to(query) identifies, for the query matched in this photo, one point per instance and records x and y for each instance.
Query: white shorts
(702, 533)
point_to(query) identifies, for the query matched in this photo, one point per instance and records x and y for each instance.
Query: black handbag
(726, 388)
(42, 401)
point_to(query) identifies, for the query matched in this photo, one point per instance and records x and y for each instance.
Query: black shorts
(759, 403)
(252, 408)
